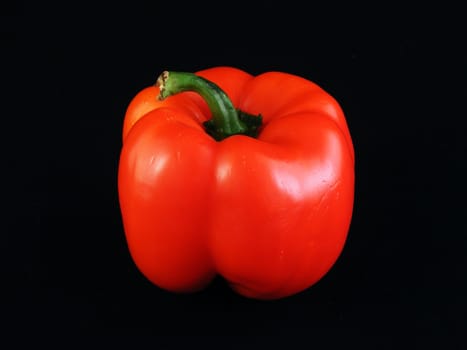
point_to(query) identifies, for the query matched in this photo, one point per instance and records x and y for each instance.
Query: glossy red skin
(271, 215)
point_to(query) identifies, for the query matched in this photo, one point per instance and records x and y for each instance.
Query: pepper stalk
(226, 119)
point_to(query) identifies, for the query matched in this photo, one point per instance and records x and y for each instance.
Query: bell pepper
(246, 177)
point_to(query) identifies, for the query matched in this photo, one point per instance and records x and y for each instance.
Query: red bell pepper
(249, 177)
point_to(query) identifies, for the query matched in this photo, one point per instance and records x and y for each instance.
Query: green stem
(226, 120)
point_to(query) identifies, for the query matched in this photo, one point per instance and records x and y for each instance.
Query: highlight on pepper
(246, 177)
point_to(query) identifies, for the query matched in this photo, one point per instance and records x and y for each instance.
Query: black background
(400, 75)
